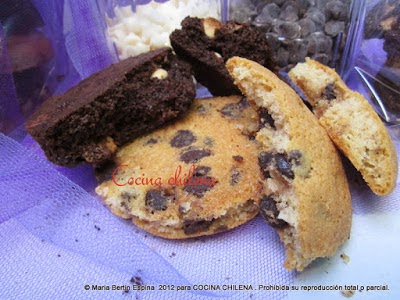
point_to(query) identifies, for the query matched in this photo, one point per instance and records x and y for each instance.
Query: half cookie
(112, 107)
(307, 197)
(352, 124)
(197, 176)
(207, 44)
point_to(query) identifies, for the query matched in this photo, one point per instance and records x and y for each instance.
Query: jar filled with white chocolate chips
(142, 26)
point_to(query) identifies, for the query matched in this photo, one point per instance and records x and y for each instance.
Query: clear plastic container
(297, 29)
(135, 27)
(372, 63)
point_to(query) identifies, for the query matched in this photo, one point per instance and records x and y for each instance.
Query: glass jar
(297, 29)
(136, 27)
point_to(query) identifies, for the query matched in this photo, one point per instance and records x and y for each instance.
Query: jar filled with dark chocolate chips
(296, 29)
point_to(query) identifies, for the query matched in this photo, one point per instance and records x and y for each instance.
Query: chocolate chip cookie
(306, 194)
(197, 176)
(351, 123)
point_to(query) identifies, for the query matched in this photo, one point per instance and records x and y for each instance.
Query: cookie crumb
(59, 255)
(348, 293)
(172, 254)
(345, 258)
(136, 280)
(238, 158)
(97, 227)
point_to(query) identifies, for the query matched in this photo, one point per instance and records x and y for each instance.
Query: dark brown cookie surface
(112, 107)
(206, 44)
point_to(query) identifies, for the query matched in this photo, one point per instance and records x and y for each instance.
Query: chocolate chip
(289, 13)
(234, 109)
(201, 171)
(235, 177)
(316, 43)
(238, 158)
(333, 28)
(307, 27)
(269, 11)
(127, 196)
(282, 57)
(321, 57)
(182, 139)
(297, 50)
(193, 226)
(265, 118)
(329, 92)
(273, 40)
(280, 161)
(194, 155)
(199, 185)
(243, 103)
(336, 10)
(269, 212)
(264, 160)
(136, 280)
(288, 30)
(125, 206)
(158, 199)
(283, 165)
(295, 156)
(316, 16)
(230, 110)
(151, 141)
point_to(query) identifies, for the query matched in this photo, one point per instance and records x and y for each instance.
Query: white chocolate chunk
(160, 74)
(209, 30)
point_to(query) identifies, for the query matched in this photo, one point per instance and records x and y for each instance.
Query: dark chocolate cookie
(207, 43)
(112, 107)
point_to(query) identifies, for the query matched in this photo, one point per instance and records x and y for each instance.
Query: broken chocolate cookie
(207, 43)
(113, 107)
